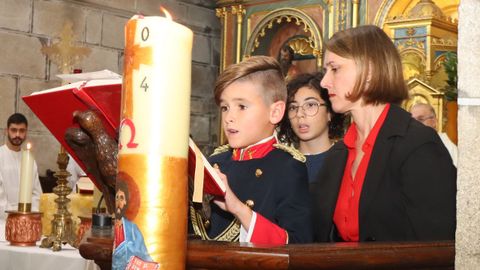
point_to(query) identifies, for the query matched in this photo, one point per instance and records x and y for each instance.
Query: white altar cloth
(36, 258)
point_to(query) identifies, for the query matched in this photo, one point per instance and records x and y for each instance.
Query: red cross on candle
(134, 56)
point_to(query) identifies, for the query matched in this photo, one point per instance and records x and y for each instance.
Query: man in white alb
(10, 163)
(425, 114)
(76, 173)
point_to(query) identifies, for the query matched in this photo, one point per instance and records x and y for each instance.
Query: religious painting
(293, 51)
(413, 63)
(289, 35)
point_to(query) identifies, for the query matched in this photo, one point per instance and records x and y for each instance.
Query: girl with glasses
(309, 122)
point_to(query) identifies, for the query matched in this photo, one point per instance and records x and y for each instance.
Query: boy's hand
(230, 199)
(233, 205)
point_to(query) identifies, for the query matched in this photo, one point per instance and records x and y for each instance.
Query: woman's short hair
(380, 76)
(264, 71)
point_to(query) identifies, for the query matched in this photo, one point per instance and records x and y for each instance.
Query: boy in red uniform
(267, 199)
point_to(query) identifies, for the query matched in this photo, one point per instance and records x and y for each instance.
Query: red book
(135, 263)
(212, 183)
(55, 107)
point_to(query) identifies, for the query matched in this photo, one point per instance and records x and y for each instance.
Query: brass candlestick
(65, 54)
(63, 229)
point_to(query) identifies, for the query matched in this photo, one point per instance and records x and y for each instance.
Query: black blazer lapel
(375, 174)
(395, 124)
(325, 190)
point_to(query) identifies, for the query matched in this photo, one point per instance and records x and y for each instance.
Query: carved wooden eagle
(98, 152)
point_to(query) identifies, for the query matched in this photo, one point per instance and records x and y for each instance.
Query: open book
(55, 108)
(208, 178)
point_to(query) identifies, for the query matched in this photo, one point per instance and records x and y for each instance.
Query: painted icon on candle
(129, 241)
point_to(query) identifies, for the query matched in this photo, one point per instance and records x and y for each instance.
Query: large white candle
(154, 135)
(157, 81)
(26, 176)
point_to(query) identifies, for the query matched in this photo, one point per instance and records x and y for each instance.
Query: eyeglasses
(308, 108)
(424, 118)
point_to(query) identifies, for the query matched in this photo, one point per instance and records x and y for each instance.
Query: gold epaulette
(231, 233)
(292, 151)
(221, 149)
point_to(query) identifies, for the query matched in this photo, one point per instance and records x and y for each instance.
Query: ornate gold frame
(288, 14)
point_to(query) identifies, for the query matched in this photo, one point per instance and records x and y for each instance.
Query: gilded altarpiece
(262, 27)
(422, 30)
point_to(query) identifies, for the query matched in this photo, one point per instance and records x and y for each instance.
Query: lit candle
(154, 134)
(26, 180)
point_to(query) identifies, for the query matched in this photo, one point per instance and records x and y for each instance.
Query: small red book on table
(136, 263)
(55, 107)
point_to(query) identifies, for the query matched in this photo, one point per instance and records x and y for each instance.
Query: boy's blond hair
(262, 70)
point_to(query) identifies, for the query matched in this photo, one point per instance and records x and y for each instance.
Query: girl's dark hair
(312, 81)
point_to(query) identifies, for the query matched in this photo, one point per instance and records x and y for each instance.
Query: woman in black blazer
(391, 178)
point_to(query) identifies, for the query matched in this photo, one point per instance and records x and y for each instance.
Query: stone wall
(26, 25)
(468, 179)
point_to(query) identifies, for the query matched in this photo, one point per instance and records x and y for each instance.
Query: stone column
(468, 180)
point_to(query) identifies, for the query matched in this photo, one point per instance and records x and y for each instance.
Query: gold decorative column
(239, 11)
(355, 13)
(222, 14)
(342, 12)
(330, 19)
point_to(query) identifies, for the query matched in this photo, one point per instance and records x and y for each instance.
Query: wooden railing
(371, 255)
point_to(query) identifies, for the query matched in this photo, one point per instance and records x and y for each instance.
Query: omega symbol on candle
(129, 123)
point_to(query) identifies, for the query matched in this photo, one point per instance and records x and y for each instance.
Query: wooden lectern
(223, 255)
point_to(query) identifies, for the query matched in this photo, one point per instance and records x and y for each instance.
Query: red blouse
(346, 211)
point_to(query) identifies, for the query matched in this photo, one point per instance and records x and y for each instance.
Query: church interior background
(226, 31)
(423, 31)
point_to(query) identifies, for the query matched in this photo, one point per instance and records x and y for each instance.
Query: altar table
(28, 258)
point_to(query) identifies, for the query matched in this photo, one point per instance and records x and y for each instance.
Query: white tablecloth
(36, 258)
